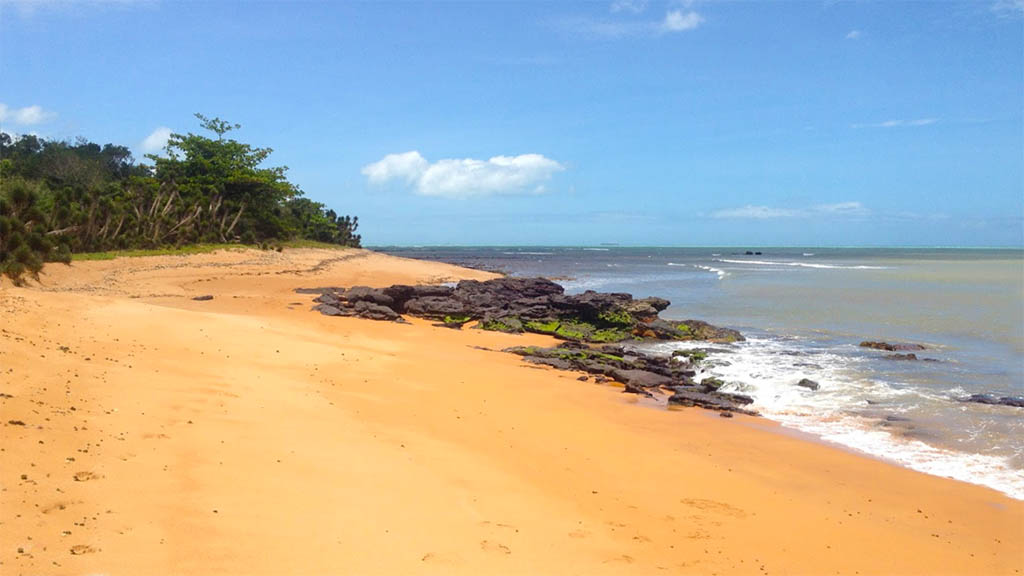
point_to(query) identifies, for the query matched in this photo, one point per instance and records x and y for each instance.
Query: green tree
(24, 244)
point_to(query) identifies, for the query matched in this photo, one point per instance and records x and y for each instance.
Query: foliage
(24, 245)
(81, 197)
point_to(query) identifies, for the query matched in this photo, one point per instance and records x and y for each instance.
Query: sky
(680, 123)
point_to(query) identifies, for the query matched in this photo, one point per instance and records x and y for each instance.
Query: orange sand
(248, 435)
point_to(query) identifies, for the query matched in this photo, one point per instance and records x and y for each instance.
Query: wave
(802, 264)
(597, 249)
(808, 253)
(721, 273)
(528, 253)
(767, 370)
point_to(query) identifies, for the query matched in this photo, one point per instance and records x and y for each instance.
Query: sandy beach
(145, 432)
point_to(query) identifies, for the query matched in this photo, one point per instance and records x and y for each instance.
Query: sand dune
(144, 432)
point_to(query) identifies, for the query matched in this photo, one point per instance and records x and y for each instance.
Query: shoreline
(405, 438)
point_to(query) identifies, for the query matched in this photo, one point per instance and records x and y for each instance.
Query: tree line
(59, 198)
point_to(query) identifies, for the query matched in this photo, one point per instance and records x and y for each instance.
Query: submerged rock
(808, 383)
(890, 347)
(901, 357)
(992, 399)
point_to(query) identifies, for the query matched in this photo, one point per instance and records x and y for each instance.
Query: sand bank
(148, 433)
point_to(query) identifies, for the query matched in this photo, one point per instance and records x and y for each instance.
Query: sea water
(805, 310)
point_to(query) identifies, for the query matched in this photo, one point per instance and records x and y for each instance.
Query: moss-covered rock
(508, 324)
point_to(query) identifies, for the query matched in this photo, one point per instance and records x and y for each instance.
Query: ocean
(805, 310)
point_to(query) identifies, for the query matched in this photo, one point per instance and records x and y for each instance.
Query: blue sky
(642, 123)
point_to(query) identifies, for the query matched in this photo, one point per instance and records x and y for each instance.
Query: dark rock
(808, 383)
(203, 298)
(583, 378)
(639, 390)
(1015, 401)
(328, 298)
(326, 290)
(641, 378)
(435, 307)
(901, 357)
(527, 304)
(725, 414)
(401, 293)
(711, 384)
(367, 294)
(709, 400)
(890, 347)
(372, 311)
(328, 310)
(558, 363)
(15, 422)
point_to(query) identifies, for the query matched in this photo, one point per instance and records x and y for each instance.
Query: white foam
(596, 249)
(762, 369)
(721, 273)
(528, 253)
(802, 264)
(808, 253)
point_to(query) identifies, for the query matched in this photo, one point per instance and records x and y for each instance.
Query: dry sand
(147, 433)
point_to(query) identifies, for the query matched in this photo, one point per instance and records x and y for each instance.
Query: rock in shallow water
(992, 399)
(890, 347)
(808, 383)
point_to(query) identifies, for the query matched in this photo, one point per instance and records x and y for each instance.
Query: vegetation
(59, 198)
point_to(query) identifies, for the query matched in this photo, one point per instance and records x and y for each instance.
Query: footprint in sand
(79, 549)
(86, 476)
(56, 506)
(715, 507)
(579, 534)
(488, 546)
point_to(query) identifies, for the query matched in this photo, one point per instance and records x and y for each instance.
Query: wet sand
(144, 432)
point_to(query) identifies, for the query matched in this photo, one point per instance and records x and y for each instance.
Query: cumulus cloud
(156, 140)
(26, 116)
(900, 123)
(681, 21)
(853, 35)
(751, 212)
(464, 177)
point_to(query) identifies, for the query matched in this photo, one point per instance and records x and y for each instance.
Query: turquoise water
(804, 311)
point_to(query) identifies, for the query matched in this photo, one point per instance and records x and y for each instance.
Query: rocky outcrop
(891, 347)
(639, 373)
(1015, 401)
(521, 305)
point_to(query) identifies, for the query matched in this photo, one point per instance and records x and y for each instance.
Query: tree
(24, 244)
(224, 178)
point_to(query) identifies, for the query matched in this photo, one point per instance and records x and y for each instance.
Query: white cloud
(26, 116)
(465, 177)
(842, 209)
(751, 212)
(1008, 8)
(853, 35)
(156, 140)
(408, 166)
(634, 6)
(901, 123)
(680, 21)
